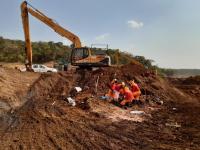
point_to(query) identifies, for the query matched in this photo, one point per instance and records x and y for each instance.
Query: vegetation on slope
(13, 51)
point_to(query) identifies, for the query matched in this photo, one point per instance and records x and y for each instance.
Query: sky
(166, 31)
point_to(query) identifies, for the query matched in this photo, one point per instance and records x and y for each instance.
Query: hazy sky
(167, 31)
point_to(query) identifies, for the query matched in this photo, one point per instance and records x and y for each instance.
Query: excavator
(80, 56)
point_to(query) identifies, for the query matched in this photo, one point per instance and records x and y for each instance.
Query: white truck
(41, 68)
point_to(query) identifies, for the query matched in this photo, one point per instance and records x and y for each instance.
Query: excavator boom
(25, 10)
(80, 56)
(25, 22)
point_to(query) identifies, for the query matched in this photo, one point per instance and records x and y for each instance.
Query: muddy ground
(45, 120)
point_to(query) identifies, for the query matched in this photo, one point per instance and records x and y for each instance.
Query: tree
(146, 62)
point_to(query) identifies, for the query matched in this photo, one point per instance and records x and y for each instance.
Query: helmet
(131, 81)
(123, 84)
(114, 81)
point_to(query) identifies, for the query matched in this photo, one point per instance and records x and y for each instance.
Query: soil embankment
(47, 121)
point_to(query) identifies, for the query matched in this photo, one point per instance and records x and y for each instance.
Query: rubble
(137, 112)
(173, 124)
(78, 89)
(71, 101)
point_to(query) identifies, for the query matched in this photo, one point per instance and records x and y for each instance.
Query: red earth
(43, 119)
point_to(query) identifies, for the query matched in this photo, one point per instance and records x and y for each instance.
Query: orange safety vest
(135, 87)
(128, 95)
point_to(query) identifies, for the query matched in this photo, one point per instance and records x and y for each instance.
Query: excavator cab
(83, 57)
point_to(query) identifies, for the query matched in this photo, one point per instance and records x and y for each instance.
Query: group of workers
(122, 93)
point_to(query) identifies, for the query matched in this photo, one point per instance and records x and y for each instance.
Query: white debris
(160, 102)
(173, 125)
(174, 108)
(53, 103)
(22, 69)
(71, 101)
(137, 112)
(78, 89)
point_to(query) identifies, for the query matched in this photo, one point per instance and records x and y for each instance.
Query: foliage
(167, 72)
(146, 62)
(13, 51)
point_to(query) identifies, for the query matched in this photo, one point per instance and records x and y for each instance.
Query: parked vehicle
(41, 68)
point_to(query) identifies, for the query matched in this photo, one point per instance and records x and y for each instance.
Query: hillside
(13, 51)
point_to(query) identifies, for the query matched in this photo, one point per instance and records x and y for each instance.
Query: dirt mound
(47, 121)
(153, 87)
(88, 79)
(192, 80)
(133, 69)
(13, 88)
(190, 86)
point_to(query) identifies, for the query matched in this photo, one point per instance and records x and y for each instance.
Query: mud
(190, 86)
(47, 121)
(14, 86)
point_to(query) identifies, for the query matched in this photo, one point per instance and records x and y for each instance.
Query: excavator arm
(80, 56)
(25, 10)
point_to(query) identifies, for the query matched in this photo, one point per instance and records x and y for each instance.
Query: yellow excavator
(80, 56)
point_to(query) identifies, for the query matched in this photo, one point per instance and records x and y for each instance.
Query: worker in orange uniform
(135, 89)
(114, 90)
(128, 95)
